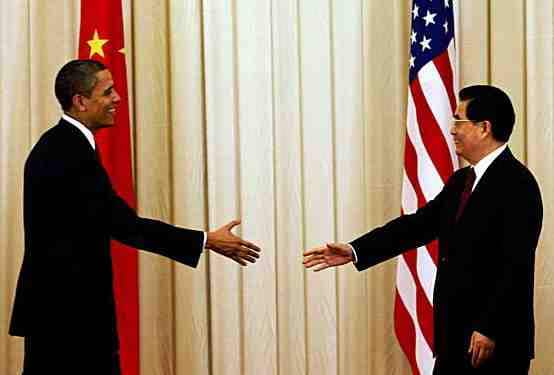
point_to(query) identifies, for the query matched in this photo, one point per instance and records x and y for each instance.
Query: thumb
(338, 247)
(470, 349)
(229, 226)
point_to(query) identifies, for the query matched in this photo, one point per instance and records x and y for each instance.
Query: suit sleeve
(401, 234)
(517, 241)
(182, 245)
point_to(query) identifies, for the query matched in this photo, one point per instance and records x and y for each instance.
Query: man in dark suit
(488, 219)
(64, 303)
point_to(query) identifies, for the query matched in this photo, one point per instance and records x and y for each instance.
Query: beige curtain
(290, 115)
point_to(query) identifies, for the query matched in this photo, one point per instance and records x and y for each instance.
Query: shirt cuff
(354, 254)
(205, 240)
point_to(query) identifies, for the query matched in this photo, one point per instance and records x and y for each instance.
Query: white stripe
(452, 57)
(428, 177)
(426, 271)
(424, 357)
(409, 197)
(436, 96)
(407, 293)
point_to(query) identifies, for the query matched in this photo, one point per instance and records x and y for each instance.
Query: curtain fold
(287, 114)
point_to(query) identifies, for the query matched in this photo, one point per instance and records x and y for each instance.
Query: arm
(173, 242)
(383, 243)
(518, 239)
(179, 244)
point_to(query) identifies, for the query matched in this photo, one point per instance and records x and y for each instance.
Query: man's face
(467, 135)
(103, 101)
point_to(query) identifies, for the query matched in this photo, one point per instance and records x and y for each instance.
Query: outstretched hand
(224, 242)
(330, 255)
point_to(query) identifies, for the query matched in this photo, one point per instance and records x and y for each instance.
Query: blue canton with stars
(432, 31)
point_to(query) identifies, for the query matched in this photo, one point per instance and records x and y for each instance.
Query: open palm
(330, 255)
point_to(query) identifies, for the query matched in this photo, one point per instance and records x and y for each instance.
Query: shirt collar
(483, 164)
(86, 132)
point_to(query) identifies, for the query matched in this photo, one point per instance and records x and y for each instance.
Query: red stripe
(410, 163)
(424, 308)
(433, 250)
(405, 332)
(431, 134)
(442, 63)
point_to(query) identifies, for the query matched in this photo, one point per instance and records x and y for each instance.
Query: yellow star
(96, 45)
(122, 51)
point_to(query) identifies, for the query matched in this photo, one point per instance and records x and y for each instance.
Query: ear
(79, 102)
(487, 127)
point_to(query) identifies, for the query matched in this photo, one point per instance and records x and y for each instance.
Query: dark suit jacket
(64, 299)
(485, 270)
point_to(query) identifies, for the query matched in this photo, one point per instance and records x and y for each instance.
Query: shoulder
(59, 147)
(517, 181)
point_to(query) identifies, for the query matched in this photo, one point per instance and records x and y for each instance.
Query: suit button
(443, 259)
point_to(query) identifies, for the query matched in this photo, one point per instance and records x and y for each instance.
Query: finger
(251, 253)
(314, 263)
(239, 260)
(336, 246)
(250, 245)
(230, 225)
(315, 250)
(322, 267)
(485, 355)
(475, 355)
(481, 358)
(470, 349)
(312, 258)
(249, 258)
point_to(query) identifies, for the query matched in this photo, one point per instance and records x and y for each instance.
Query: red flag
(429, 160)
(101, 38)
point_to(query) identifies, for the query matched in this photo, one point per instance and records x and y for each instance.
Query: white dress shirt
(482, 165)
(82, 128)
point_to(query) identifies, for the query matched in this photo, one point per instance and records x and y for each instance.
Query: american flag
(429, 159)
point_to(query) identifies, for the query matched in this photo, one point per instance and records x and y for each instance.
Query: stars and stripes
(429, 159)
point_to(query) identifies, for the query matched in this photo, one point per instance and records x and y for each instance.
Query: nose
(116, 98)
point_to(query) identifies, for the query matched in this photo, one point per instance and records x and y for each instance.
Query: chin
(106, 125)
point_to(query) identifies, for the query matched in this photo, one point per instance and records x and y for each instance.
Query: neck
(82, 120)
(487, 149)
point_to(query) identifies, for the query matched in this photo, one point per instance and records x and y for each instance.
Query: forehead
(461, 109)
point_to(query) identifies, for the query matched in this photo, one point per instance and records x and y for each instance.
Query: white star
(412, 61)
(425, 43)
(446, 4)
(445, 27)
(415, 12)
(413, 37)
(429, 18)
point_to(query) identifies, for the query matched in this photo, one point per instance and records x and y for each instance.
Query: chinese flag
(101, 38)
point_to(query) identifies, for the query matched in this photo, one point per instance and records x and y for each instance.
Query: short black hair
(490, 103)
(76, 77)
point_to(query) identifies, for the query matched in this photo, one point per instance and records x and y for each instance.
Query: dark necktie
(468, 185)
